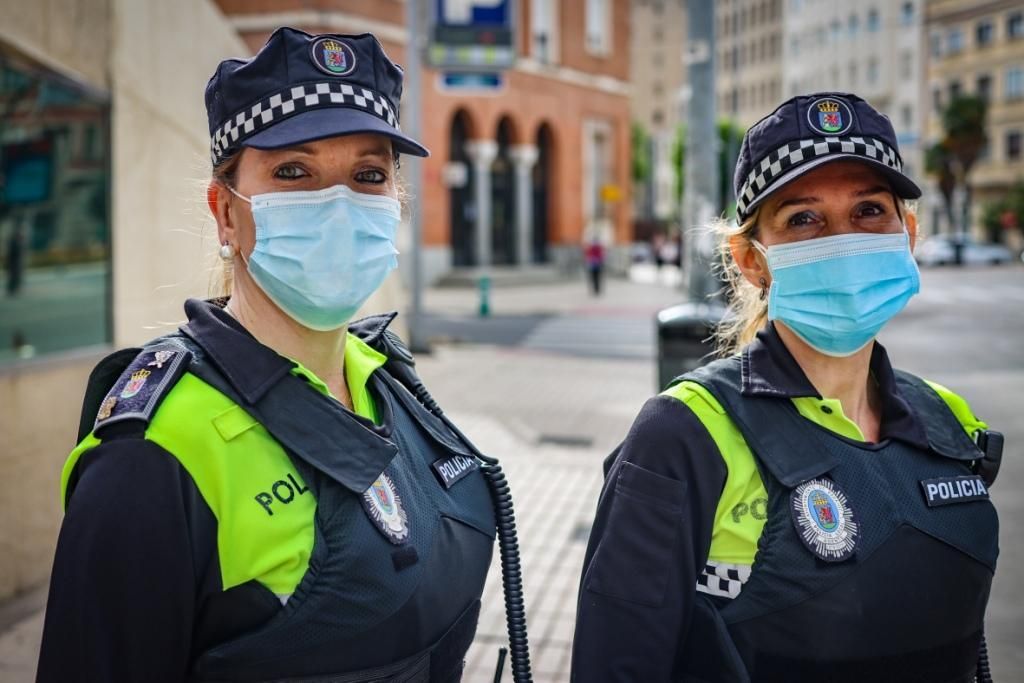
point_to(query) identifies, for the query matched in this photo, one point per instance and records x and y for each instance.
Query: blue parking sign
(472, 35)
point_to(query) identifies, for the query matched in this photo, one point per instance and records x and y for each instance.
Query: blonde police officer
(800, 511)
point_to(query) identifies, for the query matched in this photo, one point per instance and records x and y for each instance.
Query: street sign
(464, 81)
(472, 35)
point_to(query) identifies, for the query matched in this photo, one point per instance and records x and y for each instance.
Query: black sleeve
(650, 539)
(126, 573)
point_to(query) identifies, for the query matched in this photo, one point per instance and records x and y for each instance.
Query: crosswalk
(999, 295)
(595, 336)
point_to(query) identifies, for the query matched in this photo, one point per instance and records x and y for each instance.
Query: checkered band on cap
(799, 152)
(722, 579)
(293, 100)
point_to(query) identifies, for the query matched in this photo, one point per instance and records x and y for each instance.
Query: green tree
(730, 137)
(641, 150)
(1007, 211)
(938, 161)
(964, 123)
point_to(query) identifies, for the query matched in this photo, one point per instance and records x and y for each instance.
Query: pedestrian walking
(799, 510)
(14, 260)
(594, 257)
(269, 493)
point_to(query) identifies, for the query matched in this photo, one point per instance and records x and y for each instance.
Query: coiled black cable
(508, 540)
(984, 672)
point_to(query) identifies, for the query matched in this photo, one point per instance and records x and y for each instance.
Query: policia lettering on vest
(799, 510)
(270, 493)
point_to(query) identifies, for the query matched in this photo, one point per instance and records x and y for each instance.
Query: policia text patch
(454, 468)
(948, 490)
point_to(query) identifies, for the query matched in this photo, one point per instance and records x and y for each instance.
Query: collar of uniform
(361, 361)
(251, 367)
(769, 370)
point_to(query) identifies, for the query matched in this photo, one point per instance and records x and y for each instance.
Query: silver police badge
(824, 520)
(384, 506)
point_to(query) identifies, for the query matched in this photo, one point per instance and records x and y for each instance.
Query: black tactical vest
(404, 534)
(899, 597)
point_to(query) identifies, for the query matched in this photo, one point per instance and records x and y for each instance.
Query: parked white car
(938, 251)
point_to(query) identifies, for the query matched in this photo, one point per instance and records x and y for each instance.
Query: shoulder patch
(138, 391)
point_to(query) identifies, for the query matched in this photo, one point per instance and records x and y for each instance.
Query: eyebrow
(379, 150)
(873, 190)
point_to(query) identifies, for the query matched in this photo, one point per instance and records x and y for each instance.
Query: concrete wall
(154, 58)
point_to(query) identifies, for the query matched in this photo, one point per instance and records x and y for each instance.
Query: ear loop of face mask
(247, 200)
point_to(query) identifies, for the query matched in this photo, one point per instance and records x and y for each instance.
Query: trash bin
(685, 338)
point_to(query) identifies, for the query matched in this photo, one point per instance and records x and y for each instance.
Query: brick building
(522, 176)
(977, 48)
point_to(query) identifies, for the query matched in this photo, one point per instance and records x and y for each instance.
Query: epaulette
(137, 393)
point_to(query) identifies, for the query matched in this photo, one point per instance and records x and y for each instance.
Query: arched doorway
(503, 199)
(460, 193)
(542, 176)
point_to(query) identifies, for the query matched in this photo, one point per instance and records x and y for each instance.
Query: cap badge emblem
(333, 57)
(829, 116)
(824, 520)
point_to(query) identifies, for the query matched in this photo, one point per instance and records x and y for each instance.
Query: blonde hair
(748, 310)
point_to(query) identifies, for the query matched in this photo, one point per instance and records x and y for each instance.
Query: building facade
(977, 48)
(749, 66)
(103, 159)
(522, 175)
(869, 47)
(658, 76)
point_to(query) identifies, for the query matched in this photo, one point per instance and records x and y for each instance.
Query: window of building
(936, 99)
(984, 87)
(954, 90)
(954, 41)
(835, 30)
(907, 117)
(907, 14)
(54, 212)
(1015, 26)
(853, 25)
(544, 30)
(853, 75)
(1013, 145)
(1014, 83)
(935, 40)
(599, 27)
(872, 71)
(873, 23)
(906, 65)
(983, 32)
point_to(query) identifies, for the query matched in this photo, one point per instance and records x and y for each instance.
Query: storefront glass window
(54, 212)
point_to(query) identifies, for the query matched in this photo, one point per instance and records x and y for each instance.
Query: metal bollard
(484, 289)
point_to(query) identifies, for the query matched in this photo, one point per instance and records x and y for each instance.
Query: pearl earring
(227, 252)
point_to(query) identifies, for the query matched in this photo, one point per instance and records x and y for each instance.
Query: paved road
(553, 380)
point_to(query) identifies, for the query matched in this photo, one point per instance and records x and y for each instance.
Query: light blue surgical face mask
(319, 255)
(837, 292)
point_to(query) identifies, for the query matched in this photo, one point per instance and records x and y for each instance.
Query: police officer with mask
(800, 510)
(269, 493)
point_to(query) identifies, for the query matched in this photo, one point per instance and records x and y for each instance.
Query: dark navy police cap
(808, 131)
(300, 88)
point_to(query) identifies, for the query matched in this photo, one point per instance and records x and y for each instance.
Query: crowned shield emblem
(830, 121)
(334, 57)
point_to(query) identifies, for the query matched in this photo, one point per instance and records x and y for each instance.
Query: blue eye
(871, 210)
(371, 176)
(289, 172)
(802, 219)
